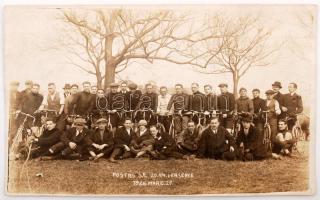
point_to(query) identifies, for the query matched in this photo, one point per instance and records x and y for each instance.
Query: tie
(101, 135)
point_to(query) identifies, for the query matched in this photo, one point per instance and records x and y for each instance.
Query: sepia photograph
(136, 100)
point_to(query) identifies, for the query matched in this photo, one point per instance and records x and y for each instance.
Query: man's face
(223, 89)
(114, 89)
(191, 126)
(269, 96)
(50, 125)
(28, 86)
(79, 126)
(243, 93)
(100, 93)
(86, 87)
(102, 126)
(142, 127)
(275, 88)
(207, 90)
(179, 89)
(149, 89)
(154, 131)
(246, 125)
(194, 88)
(94, 90)
(67, 91)
(35, 89)
(74, 90)
(51, 89)
(214, 124)
(127, 124)
(123, 87)
(163, 91)
(291, 88)
(255, 94)
(282, 126)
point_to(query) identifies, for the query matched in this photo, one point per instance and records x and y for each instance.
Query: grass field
(209, 176)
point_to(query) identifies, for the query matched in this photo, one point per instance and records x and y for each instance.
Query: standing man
(226, 104)
(32, 100)
(133, 97)
(180, 104)
(162, 108)
(28, 85)
(148, 101)
(117, 104)
(123, 87)
(273, 107)
(197, 101)
(94, 89)
(292, 104)
(216, 142)
(83, 102)
(66, 90)
(68, 100)
(276, 86)
(53, 100)
(211, 100)
(244, 103)
(259, 105)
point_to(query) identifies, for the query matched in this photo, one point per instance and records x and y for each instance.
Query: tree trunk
(99, 81)
(109, 75)
(236, 78)
(111, 65)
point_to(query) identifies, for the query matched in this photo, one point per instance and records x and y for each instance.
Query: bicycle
(297, 132)
(144, 112)
(158, 123)
(267, 132)
(200, 116)
(173, 129)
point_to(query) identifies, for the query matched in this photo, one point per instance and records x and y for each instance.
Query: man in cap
(123, 138)
(100, 142)
(292, 104)
(249, 141)
(144, 141)
(179, 102)
(276, 86)
(133, 96)
(66, 90)
(68, 99)
(32, 100)
(226, 104)
(273, 107)
(83, 102)
(117, 103)
(244, 103)
(100, 105)
(259, 105)
(72, 142)
(216, 142)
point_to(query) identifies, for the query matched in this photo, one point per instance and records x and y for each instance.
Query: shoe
(276, 156)
(286, 152)
(44, 158)
(112, 160)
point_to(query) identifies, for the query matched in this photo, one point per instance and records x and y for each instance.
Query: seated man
(188, 139)
(122, 139)
(164, 146)
(100, 141)
(216, 142)
(250, 143)
(144, 141)
(284, 140)
(50, 136)
(72, 142)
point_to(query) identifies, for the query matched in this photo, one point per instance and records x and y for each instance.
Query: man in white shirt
(53, 100)
(162, 107)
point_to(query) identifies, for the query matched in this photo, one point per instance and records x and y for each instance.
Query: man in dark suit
(276, 86)
(100, 142)
(83, 102)
(292, 104)
(216, 142)
(143, 142)
(123, 138)
(188, 139)
(72, 142)
(197, 101)
(259, 105)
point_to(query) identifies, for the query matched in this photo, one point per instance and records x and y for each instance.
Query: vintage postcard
(160, 100)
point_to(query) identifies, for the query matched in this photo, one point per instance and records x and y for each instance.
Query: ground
(209, 176)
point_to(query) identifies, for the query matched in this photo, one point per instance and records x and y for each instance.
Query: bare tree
(111, 39)
(244, 45)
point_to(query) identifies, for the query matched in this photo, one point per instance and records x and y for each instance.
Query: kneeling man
(284, 141)
(216, 142)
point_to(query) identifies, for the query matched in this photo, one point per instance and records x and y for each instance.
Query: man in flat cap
(276, 87)
(133, 96)
(117, 103)
(273, 107)
(100, 142)
(72, 142)
(226, 104)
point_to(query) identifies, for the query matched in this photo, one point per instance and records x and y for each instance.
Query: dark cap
(277, 84)
(114, 85)
(132, 86)
(67, 86)
(269, 92)
(223, 85)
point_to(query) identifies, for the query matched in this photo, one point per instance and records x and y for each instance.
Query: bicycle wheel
(267, 137)
(297, 133)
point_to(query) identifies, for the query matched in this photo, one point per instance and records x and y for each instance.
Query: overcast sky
(29, 30)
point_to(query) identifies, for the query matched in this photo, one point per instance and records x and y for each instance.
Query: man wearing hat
(117, 103)
(144, 141)
(100, 141)
(83, 102)
(276, 86)
(226, 104)
(249, 142)
(72, 142)
(123, 138)
(273, 107)
(216, 142)
(66, 90)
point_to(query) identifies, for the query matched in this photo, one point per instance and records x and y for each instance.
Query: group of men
(125, 105)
